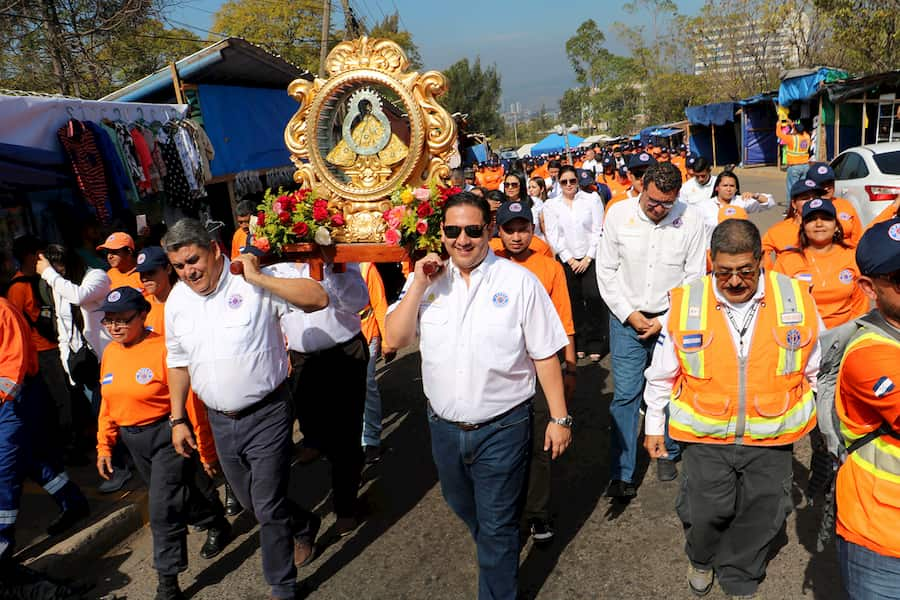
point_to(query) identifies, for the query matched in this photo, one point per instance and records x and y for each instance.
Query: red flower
(260, 217)
(422, 227)
(320, 203)
(337, 220)
(446, 192)
(320, 213)
(284, 217)
(282, 199)
(425, 210)
(301, 229)
(301, 195)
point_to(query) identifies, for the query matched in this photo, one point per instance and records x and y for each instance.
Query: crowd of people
(194, 362)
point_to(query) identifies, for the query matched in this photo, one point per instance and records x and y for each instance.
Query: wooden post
(862, 123)
(714, 145)
(176, 81)
(821, 144)
(326, 29)
(837, 129)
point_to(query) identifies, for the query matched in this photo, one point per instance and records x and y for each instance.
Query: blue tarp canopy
(657, 131)
(243, 138)
(805, 85)
(718, 113)
(554, 143)
(33, 168)
(475, 154)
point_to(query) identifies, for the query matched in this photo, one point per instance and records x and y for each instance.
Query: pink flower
(277, 206)
(422, 194)
(262, 243)
(392, 237)
(393, 217)
(422, 227)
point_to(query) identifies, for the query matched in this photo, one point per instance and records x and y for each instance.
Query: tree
(868, 32)
(572, 105)
(475, 91)
(291, 29)
(389, 28)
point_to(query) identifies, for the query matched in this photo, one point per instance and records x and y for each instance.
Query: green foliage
(476, 91)
(868, 32)
(389, 28)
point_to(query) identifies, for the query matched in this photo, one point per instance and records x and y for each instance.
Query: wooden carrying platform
(317, 256)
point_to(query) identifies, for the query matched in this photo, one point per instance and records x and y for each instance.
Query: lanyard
(742, 330)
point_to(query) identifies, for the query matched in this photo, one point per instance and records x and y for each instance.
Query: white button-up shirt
(639, 261)
(230, 341)
(336, 323)
(692, 192)
(709, 208)
(553, 186)
(479, 341)
(574, 232)
(665, 368)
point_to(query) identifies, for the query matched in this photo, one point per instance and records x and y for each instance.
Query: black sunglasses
(568, 181)
(472, 231)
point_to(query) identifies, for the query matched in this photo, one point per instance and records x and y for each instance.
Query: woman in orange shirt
(135, 404)
(783, 235)
(826, 263)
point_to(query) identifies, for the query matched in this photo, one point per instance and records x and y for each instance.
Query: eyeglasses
(651, 203)
(745, 274)
(512, 184)
(117, 322)
(472, 231)
(568, 181)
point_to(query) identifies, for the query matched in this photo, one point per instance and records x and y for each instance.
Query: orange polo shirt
(238, 241)
(134, 389)
(489, 178)
(832, 279)
(780, 237)
(889, 212)
(849, 219)
(373, 324)
(18, 357)
(541, 172)
(156, 318)
(537, 244)
(551, 275)
(119, 279)
(21, 295)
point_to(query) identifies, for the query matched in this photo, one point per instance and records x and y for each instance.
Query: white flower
(323, 236)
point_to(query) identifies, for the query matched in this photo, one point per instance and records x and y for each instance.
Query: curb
(68, 556)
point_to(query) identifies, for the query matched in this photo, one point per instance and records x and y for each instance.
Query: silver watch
(566, 421)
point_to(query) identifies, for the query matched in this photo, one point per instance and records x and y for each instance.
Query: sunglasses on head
(472, 231)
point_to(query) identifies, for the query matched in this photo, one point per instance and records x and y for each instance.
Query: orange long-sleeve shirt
(130, 279)
(134, 388)
(551, 275)
(21, 296)
(18, 357)
(537, 244)
(489, 178)
(832, 279)
(373, 324)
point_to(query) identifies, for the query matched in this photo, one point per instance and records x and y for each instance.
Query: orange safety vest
(868, 483)
(762, 399)
(797, 148)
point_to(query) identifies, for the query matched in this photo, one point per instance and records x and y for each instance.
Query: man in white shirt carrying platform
(224, 340)
(486, 327)
(650, 244)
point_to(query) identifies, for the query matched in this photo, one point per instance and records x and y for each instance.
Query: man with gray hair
(224, 340)
(734, 369)
(650, 244)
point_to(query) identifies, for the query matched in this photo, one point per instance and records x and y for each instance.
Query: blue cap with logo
(802, 186)
(150, 259)
(640, 160)
(123, 299)
(819, 205)
(513, 210)
(820, 173)
(585, 177)
(608, 161)
(878, 252)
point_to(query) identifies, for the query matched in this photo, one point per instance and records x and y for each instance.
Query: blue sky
(524, 38)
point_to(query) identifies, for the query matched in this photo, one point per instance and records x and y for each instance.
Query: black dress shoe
(622, 490)
(665, 469)
(68, 518)
(217, 537)
(232, 506)
(168, 588)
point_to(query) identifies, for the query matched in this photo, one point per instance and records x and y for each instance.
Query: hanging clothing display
(80, 146)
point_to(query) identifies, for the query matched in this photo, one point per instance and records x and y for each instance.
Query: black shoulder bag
(84, 368)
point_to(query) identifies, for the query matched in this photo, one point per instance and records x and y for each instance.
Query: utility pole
(326, 29)
(514, 109)
(353, 27)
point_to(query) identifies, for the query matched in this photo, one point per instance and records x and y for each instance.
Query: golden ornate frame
(352, 65)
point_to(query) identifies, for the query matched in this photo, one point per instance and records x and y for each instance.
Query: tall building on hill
(749, 46)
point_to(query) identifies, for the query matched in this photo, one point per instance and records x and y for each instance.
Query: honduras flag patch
(883, 386)
(693, 340)
(107, 379)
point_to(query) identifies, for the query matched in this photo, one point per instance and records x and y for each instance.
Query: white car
(869, 177)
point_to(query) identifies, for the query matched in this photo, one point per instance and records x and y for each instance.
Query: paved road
(412, 546)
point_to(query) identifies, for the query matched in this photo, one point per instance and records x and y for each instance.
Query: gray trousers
(254, 451)
(733, 501)
(57, 382)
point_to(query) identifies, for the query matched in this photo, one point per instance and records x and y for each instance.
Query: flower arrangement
(293, 217)
(414, 218)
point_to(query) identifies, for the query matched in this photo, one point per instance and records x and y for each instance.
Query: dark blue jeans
(868, 575)
(482, 475)
(630, 357)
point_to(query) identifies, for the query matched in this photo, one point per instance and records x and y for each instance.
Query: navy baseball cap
(640, 160)
(150, 259)
(513, 210)
(123, 299)
(819, 205)
(585, 177)
(878, 252)
(608, 161)
(801, 186)
(820, 173)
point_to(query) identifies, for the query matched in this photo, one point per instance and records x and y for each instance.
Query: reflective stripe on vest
(796, 149)
(787, 301)
(693, 318)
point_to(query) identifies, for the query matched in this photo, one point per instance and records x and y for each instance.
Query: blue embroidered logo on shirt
(793, 338)
(846, 276)
(500, 299)
(235, 301)
(143, 376)
(883, 386)
(693, 340)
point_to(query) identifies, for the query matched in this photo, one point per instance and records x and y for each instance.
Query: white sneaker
(699, 580)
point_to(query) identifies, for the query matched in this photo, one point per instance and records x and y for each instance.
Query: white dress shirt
(710, 208)
(639, 261)
(591, 165)
(88, 297)
(665, 368)
(479, 341)
(537, 207)
(230, 341)
(574, 231)
(336, 323)
(692, 192)
(554, 189)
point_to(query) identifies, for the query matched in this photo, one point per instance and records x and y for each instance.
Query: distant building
(748, 46)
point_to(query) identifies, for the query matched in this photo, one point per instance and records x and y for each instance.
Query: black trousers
(588, 311)
(733, 502)
(537, 499)
(329, 393)
(178, 494)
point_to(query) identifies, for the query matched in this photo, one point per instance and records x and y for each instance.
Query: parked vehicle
(869, 177)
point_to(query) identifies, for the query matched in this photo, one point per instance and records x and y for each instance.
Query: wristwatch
(566, 421)
(174, 422)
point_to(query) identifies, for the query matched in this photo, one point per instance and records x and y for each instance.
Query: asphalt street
(411, 546)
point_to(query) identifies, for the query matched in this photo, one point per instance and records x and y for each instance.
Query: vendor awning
(838, 91)
(799, 85)
(717, 113)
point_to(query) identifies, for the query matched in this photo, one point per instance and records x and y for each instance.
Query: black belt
(474, 426)
(336, 348)
(273, 396)
(652, 315)
(141, 428)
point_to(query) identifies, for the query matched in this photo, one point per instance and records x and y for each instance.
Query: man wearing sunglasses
(486, 330)
(734, 368)
(650, 244)
(867, 401)
(119, 251)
